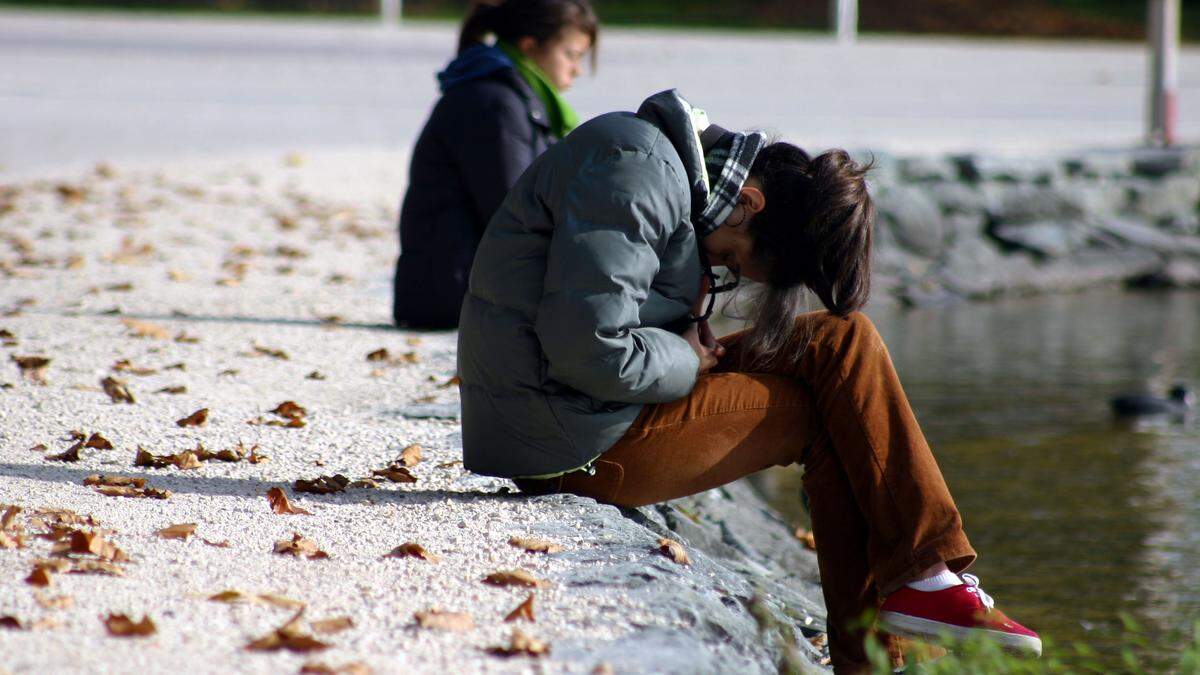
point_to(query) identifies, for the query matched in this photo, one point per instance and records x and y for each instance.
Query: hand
(700, 337)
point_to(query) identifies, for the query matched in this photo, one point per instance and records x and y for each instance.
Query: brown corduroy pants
(881, 511)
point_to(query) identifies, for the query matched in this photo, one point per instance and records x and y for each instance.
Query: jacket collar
(678, 121)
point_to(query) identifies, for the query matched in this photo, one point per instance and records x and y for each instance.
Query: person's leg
(878, 444)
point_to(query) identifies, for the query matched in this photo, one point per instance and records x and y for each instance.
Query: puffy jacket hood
(681, 123)
(476, 62)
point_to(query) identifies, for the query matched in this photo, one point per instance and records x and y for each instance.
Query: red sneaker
(962, 612)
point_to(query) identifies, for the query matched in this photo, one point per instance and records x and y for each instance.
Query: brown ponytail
(511, 20)
(815, 233)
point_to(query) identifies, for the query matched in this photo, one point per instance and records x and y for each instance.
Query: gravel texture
(249, 276)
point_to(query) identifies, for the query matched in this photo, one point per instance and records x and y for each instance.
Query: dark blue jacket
(482, 134)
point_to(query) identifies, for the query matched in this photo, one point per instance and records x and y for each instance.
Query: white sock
(937, 582)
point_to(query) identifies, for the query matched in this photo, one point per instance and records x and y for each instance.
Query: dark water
(1077, 518)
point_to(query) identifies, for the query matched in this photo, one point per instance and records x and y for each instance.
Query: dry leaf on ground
(452, 382)
(145, 329)
(278, 500)
(350, 668)
(443, 620)
(11, 623)
(535, 545)
(268, 351)
(178, 531)
(125, 366)
(289, 636)
(395, 473)
(322, 485)
(120, 625)
(674, 550)
(97, 441)
(290, 410)
(178, 389)
(300, 547)
(95, 567)
(40, 576)
(10, 514)
(514, 578)
(410, 456)
(314, 375)
(235, 596)
(412, 550)
(380, 354)
(521, 644)
(332, 625)
(117, 390)
(522, 611)
(137, 493)
(90, 543)
(33, 368)
(196, 419)
(806, 536)
(102, 479)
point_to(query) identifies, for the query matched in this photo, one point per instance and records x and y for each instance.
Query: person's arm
(495, 149)
(602, 260)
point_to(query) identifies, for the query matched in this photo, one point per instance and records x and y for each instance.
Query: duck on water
(1180, 401)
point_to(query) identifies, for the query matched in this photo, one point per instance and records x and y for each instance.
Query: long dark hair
(511, 20)
(814, 233)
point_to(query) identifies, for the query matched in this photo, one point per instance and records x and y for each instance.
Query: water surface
(1077, 517)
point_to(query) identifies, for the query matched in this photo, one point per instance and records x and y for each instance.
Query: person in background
(501, 107)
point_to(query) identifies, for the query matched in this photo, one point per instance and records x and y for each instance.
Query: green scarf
(562, 116)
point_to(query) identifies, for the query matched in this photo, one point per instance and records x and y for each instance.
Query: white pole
(845, 20)
(1162, 27)
(389, 13)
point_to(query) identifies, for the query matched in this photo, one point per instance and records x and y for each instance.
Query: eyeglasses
(713, 289)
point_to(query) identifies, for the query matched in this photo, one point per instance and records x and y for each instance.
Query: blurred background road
(80, 87)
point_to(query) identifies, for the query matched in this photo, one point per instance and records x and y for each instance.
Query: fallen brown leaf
(102, 479)
(71, 454)
(10, 514)
(117, 390)
(216, 544)
(123, 491)
(177, 389)
(278, 500)
(268, 351)
(807, 537)
(412, 550)
(185, 339)
(97, 441)
(535, 545)
(196, 419)
(410, 456)
(120, 625)
(145, 329)
(11, 623)
(443, 620)
(322, 485)
(395, 473)
(522, 611)
(178, 531)
(452, 382)
(180, 460)
(332, 625)
(125, 366)
(514, 578)
(521, 644)
(40, 447)
(289, 636)
(380, 354)
(290, 410)
(33, 368)
(90, 543)
(40, 576)
(674, 550)
(95, 567)
(314, 375)
(300, 547)
(363, 483)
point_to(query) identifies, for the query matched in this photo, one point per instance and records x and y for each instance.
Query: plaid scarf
(728, 157)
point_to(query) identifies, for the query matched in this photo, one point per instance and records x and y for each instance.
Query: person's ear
(527, 45)
(752, 199)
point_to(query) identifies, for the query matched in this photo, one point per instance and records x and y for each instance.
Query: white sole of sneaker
(926, 629)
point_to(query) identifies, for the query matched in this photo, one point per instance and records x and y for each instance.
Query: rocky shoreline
(975, 227)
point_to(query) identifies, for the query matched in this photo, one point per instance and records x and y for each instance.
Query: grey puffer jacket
(563, 333)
